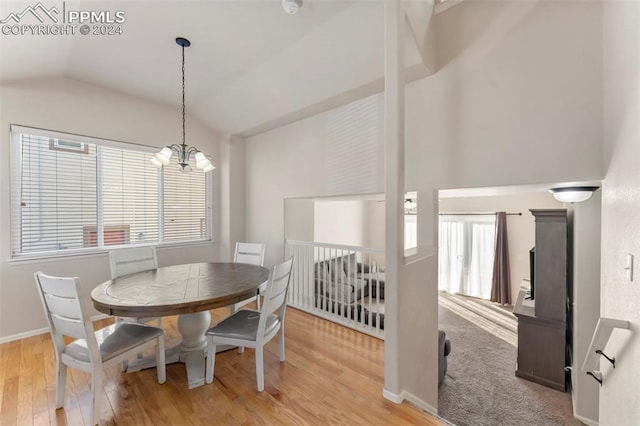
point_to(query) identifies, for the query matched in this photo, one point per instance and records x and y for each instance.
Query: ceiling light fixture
(183, 151)
(291, 6)
(573, 194)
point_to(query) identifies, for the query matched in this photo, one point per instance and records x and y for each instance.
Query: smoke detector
(291, 6)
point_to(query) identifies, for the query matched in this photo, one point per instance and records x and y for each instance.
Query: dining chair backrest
(252, 253)
(65, 312)
(132, 260)
(275, 297)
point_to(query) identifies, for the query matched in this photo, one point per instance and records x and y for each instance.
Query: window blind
(185, 205)
(72, 193)
(129, 197)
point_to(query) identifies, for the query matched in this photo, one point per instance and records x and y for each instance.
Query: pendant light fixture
(183, 151)
(573, 194)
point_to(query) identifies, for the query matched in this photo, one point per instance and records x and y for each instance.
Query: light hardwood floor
(332, 375)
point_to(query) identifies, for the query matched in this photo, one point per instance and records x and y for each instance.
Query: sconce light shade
(573, 194)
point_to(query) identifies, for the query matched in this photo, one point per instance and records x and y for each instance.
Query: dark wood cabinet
(542, 325)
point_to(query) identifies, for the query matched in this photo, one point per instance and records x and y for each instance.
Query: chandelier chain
(183, 101)
(183, 151)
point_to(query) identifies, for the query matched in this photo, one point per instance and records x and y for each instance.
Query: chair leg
(211, 360)
(61, 384)
(96, 393)
(125, 363)
(281, 343)
(260, 367)
(161, 365)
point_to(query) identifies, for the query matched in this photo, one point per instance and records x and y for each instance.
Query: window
(73, 193)
(466, 252)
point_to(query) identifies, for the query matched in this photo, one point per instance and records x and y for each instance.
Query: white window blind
(72, 193)
(129, 197)
(185, 206)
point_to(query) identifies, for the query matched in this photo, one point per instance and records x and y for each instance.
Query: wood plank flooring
(332, 375)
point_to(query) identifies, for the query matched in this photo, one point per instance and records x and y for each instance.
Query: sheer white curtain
(466, 251)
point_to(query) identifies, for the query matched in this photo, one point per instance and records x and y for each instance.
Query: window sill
(36, 258)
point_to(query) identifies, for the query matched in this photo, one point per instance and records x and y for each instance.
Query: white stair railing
(344, 284)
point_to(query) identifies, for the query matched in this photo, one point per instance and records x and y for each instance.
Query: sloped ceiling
(251, 66)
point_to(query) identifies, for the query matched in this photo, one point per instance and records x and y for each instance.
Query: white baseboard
(414, 400)
(393, 397)
(584, 420)
(410, 398)
(24, 335)
(37, 331)
(588, 422)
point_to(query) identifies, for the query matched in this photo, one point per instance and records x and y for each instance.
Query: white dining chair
(92, 351)
(129, 261)
(253, 329)
(252, 253)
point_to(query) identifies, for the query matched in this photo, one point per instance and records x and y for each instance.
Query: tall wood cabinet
(542, 325)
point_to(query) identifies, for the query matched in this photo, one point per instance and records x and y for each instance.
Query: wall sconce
(573, 194)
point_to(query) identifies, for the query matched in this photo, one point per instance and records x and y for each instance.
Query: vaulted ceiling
(251, 66)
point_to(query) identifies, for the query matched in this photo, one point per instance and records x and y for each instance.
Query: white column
(394, 188)
(232, 223)
(223, 222)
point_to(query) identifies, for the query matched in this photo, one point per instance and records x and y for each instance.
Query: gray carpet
(480, 387)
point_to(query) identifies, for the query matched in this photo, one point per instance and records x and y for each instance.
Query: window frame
(15, 185)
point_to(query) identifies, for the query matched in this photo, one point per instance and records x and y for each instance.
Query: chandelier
(183, 151)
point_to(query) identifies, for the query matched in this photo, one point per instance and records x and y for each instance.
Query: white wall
(334, 153)
(517, 100)
(340, 222)
(76, 107)
(520, 229)
(374, 214)
(620, 392)
(299, 216)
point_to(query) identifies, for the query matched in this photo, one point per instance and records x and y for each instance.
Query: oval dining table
(188, 290)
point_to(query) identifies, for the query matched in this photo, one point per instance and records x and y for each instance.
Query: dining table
(186, 290)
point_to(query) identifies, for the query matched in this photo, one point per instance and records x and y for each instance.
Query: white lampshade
(208, 168)
(201, 160)
(574, 194)
(164, 155)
